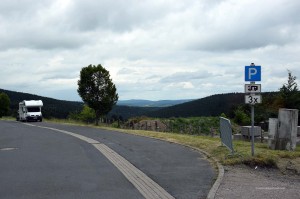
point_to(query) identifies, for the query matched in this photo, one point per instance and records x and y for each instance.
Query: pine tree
(289, 93)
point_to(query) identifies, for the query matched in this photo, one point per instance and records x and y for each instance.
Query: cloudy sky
(154, 49)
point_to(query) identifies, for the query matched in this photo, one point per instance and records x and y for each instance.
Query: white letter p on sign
(252, 71)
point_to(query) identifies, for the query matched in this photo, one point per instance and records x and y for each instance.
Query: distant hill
(209, 106)
(127, 112)
(213, 105)
(149, 103)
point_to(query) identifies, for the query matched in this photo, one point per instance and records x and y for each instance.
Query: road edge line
(213, 190)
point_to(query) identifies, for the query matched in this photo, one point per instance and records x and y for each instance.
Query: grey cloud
(149, 41)
(43, 41)
(153, 77)
(33, 33)
(245, 40)
(126, 71)
(118, 15)
(186, 76)
(59, 76)
(263, 25)
(32, 24)
(16, 9)
(283, 72)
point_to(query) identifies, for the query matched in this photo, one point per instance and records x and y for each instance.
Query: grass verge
(263, 155)
(6, 118)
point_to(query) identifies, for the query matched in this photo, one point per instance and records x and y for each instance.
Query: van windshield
(33, 109)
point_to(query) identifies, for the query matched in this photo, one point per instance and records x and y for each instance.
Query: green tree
(289, 95)
(87, 114)
(97, 90)
(4, 104)
(223, 115)
(240, 117)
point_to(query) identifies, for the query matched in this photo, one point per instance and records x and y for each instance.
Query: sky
(153, 49)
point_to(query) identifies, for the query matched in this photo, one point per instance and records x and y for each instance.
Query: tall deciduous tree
(97, 90)
(4, 104)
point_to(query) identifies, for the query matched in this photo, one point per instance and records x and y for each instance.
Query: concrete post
(287, 129)
(273, 132)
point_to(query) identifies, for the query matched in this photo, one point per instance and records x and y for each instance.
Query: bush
(86, 115)
(241, 117)
(193, 126)
(4, 104)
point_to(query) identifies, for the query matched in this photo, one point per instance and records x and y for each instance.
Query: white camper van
(30, 110)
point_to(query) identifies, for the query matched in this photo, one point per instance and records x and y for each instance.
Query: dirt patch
(289, 166)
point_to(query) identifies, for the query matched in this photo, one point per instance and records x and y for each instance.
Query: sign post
(252, 97)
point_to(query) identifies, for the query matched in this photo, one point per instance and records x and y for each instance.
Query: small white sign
(252, 88)
(252, 99)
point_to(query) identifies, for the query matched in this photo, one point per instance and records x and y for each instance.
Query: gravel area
(245, 182)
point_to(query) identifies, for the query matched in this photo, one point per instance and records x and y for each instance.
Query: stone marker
(287, 129)
(273, 131)
(246, 131)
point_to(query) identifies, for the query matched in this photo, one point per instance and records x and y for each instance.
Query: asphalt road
(50, 162)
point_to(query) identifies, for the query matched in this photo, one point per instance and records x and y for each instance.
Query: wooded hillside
(209, 106)
(213, 105)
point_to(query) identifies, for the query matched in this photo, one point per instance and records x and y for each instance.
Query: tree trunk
(97, 118)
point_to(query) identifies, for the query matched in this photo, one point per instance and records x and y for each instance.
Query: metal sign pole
(252, 130)
(252, 123)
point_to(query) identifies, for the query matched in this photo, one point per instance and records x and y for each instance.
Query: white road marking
(145, 185)
(7, 149)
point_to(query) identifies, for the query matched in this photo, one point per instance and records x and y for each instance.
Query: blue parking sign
(252, 73)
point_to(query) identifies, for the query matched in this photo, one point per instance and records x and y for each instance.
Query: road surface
(46, 160)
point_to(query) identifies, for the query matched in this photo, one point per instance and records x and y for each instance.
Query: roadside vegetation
(4, 104)
(286, 161)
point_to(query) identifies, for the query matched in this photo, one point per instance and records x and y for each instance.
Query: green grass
(7, 118)
(263, 156)
(65, 121)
